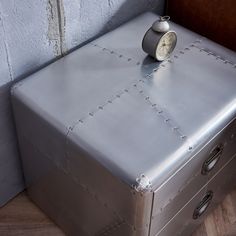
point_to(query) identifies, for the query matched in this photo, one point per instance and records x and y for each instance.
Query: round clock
(159, 42)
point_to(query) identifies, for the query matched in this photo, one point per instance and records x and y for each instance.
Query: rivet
(112, 52)
(129, 59)
(175, 56)
(163, 65)
(126, 90)
(160, 111)
(81, 121)
(109, 101)
(186, 49)
(100, 107)
(90, 113)
(138, 63)
(118, 96)
(181, 52)
(146, 98)
(120, 55)
(141, 91)
(190, 148)
(183, 136)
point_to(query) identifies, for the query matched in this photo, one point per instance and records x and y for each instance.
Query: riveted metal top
(139, 118)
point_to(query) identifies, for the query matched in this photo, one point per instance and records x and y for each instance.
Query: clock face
(166, 45)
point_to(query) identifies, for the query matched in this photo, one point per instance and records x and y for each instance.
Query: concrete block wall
(34, 33)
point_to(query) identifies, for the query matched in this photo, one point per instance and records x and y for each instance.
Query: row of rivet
(161, 113)
(121, 56)
(217, 57)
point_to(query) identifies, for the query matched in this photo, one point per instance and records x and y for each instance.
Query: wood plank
(22, 217)
(222, 221)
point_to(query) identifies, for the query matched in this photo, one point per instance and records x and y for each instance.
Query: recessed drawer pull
(203, 205)
(212, 160)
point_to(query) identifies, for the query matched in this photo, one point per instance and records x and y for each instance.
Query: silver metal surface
(130, 133)
(11, 179)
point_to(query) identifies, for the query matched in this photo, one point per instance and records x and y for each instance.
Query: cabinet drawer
(183, 220)
(191, 215)
(174, 194)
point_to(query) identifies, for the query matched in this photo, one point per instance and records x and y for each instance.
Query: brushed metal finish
(119, 136)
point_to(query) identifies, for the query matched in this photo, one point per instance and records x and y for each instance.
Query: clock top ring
(164, 18)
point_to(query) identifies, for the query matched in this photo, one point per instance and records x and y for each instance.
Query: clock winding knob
(161, 25)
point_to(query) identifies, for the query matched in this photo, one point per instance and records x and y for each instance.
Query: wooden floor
(21, 217)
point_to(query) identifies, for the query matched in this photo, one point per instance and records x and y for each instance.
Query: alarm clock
(159, 41)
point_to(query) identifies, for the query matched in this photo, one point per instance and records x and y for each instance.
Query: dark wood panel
(214, 19)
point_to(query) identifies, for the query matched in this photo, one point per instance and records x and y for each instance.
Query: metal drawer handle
(203, 205)
(212, 160)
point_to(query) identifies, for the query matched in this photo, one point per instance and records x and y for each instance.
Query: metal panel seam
(132, 85)
(150, 224)
(217, 57)
(119, 95)
(119, 55)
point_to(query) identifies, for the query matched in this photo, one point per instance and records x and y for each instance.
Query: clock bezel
(173, 46)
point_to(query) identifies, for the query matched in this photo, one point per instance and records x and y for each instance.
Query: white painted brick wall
(35, 32)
